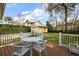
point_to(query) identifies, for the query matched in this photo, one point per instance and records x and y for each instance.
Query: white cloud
(33, 14)
(25, 12)
(38, 12)
(16, 19)
(45, 23)
(28, 17)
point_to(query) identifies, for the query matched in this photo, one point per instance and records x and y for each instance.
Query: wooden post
(60, 39)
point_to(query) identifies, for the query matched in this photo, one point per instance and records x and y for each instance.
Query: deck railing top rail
(66, 39)
(70, 34)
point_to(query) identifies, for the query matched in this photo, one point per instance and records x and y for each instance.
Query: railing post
(60, 39)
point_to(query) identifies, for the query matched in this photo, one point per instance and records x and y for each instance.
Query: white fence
(66, 39)
(10, 38)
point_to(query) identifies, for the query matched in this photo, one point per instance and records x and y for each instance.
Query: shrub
(8, 29)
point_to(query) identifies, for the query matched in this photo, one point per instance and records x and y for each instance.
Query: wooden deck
(52, 50)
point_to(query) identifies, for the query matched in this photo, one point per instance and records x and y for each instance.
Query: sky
(33, 11)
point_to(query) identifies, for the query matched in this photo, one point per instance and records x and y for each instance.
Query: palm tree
(64, 8)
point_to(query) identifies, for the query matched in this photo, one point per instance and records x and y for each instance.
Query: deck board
(7, 51)
(52, 50)
(3, 51)
(10, 50)
(0, 52)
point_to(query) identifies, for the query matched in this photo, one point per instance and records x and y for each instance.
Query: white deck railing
(10, 38)
(66, 39)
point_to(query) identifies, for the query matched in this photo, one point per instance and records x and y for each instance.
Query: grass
(53, 37)
(70, 39)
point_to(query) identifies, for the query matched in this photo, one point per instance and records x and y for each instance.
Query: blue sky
(33, 11)
(28, 10)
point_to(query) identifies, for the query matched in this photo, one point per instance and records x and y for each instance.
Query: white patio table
(32, 39)
(38, 43)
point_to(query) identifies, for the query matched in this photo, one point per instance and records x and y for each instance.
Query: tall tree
(50, 28)
(9, 18)
(61, 7)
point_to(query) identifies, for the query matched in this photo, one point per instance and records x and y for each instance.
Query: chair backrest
(23, 36)
(20, 48)
(42, 42)
(74, 45)
(16, 49)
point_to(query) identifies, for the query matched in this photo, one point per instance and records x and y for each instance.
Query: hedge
(9, 29)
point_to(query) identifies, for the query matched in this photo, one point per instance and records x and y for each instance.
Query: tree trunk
(75, 29)
(65, 19)
(56, 24)
(65, 11)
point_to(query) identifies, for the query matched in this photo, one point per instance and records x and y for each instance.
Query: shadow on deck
(52, 50)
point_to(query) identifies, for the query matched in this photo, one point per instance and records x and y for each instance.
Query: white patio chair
(40, 46)
(19, 49)
(73, 48)
(22, 36)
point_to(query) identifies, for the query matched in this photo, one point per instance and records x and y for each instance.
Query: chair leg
(30, 52)
(40, 53)
(46, 52)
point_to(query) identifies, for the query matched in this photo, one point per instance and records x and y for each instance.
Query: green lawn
(70, 39)
(53, 37)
